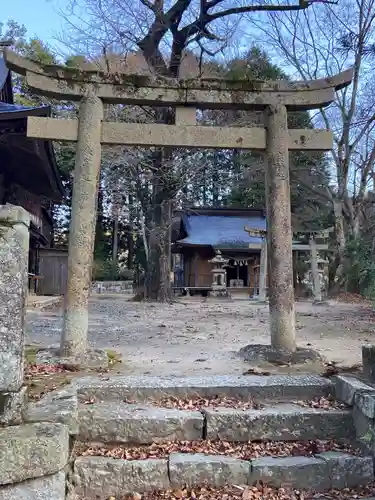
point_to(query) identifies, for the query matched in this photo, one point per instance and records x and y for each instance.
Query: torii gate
(92, 87)
(311, 247)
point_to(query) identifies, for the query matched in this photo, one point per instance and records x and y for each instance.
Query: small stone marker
(368, 361)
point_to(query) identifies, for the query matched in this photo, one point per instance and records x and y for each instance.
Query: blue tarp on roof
(19, 110)
(221, 231)
(13, 108)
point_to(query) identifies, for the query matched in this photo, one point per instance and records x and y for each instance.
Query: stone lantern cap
(219, 260)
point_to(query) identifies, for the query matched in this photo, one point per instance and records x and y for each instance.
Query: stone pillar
(368, 361)
(281, 293)
(14, 256)
(82, 226)
(316, 288)
(263, 271)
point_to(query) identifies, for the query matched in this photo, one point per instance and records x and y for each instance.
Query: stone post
(263, 271)
(281, 293)
(82, 226)
(14, 257)
(316, 288)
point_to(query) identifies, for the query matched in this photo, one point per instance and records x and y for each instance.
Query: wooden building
(199, 232)
(29, 175)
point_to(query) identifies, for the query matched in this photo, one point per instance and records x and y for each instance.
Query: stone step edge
(321, 472)
(150, 387)
(186, 425)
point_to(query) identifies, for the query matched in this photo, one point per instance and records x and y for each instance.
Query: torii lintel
(63, 82)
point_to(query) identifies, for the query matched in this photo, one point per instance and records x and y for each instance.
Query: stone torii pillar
(263, 268)
(82, 224)
(92, 84)
(281, 292)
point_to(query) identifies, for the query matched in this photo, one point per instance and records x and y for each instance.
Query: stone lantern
(219, 274)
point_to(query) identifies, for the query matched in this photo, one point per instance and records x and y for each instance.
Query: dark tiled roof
(18, 111)
(221, 231)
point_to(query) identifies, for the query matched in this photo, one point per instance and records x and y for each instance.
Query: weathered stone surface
(257, 353)
(123, 287)
(44, 488)
(125, 423)
(284, 422)
(32, 450)
(214, 470)
(82, 229)
(89, 359)
(59, 406)
(99, 477)
(13, 288)
(364, 431)
(348, 471)
(368, 361)
(297, 472)
(365, 402)
(144, 388)
(346, 387)
(12, 407)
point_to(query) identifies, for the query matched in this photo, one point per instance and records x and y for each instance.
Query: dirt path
(196, 336)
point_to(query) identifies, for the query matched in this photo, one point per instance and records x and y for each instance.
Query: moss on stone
(30, 354)
(113, 357)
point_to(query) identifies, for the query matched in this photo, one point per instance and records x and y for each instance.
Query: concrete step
(281, 422)
(135, 424)
(101, 477)
(262, 388)
(124, 423)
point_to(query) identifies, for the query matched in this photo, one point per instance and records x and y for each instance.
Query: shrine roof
(22, 111)
(222, 230)
(31, 163)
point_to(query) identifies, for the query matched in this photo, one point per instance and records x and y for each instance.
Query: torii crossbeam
(92, 86)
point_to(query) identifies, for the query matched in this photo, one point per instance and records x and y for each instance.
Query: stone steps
(124, 423)
(102, 477)
(145, 388)
(141, 424)
(32, 451)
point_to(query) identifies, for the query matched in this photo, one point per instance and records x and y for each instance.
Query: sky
(40, 17)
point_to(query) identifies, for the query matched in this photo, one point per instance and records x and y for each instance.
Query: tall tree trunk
(158, 283)
(337, 269)
(115, 241)
(130, 243)
(215, 182)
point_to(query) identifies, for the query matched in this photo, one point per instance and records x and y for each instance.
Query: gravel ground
(203, 336)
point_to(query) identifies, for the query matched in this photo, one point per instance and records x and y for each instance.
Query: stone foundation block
(58, 406)
(365, 402)
(364, 431)
(99, 477)
(144, 388)
(12, 407)
(32, 450)
(296, 472)
(346, 387)
(125, 423)
(92, 359)
(285, 422)
(14, 250)
(213, 470)
(44, 488)
(348, 471)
